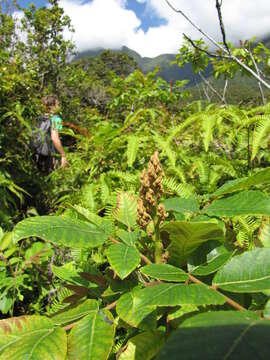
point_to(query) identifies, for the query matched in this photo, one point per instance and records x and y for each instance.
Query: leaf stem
(230, 301)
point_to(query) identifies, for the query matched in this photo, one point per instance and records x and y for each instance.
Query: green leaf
(143, 346)
(219, 335)
(215, 259)
(123, 259)
(92, 338)
(248, 272)
(130, 309)
(178, 294)
(244, 203)
(74, 313)
(32, 338)
(38, 249)
(126, 210)
(6, 241)
(164, 272)
(61, 230)
(261, 177)
(129, 238)
(186, 237)
(180, 205)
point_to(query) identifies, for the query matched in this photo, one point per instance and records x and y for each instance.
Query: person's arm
(58, 145)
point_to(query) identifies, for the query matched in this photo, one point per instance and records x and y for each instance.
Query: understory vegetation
(155, 240)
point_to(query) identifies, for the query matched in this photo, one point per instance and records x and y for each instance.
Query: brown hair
(49, 101)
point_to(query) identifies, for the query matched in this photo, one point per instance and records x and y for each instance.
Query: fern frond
(202, 170)
(225, 164)
(181, 127)
(87, 196)
(126, 210)
(179, 172)
(76, 254)
(260, 133)
(165, 148)
(208, 127)
(57, 303)
(264, 233)
(104, 190)
(132, 149)
(172, 186)
(243, 239)
(117, 346)
(126, 176)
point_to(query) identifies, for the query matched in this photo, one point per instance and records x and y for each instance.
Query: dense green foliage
(155, 240)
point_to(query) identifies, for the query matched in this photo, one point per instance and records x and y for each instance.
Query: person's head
(51, 103)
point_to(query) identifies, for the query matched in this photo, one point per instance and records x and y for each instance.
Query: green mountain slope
(239, 89)
(167, 71)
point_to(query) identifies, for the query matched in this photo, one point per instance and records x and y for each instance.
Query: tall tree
(47, 50)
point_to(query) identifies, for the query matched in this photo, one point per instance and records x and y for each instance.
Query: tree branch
(219, 46)
(221, 25)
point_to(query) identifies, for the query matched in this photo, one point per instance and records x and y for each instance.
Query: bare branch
(221, 25)
(223, 48)
(258, 72)
(211, 87)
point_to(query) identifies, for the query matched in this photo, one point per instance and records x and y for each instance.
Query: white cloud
(100, 23)
(109, 24)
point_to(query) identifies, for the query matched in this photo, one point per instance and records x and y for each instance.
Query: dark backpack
(41, 142)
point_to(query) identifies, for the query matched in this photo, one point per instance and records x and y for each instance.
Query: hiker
(46, 140)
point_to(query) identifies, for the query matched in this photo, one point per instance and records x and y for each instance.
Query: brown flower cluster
(150, 193)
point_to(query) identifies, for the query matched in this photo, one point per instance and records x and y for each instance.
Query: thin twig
(258, 72)
(211, 87)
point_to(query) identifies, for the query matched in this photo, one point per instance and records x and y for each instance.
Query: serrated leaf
(123, 259)
(32, 338)
(186, 237)
(61, 230)
(126, 210)
(74, 313)
(128, 237)
(248, 272)
(130, 310)
(92, 337)
(219, 335)
(178, 294)
(143, 346)
(164, 272)
(244, 203)
(180, 205)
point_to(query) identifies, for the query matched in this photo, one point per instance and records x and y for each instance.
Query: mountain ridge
(167, 70)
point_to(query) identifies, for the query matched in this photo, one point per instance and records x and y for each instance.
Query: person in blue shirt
(51, 104)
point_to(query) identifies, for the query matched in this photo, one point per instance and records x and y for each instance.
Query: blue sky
(148, 18)
(150, 27)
